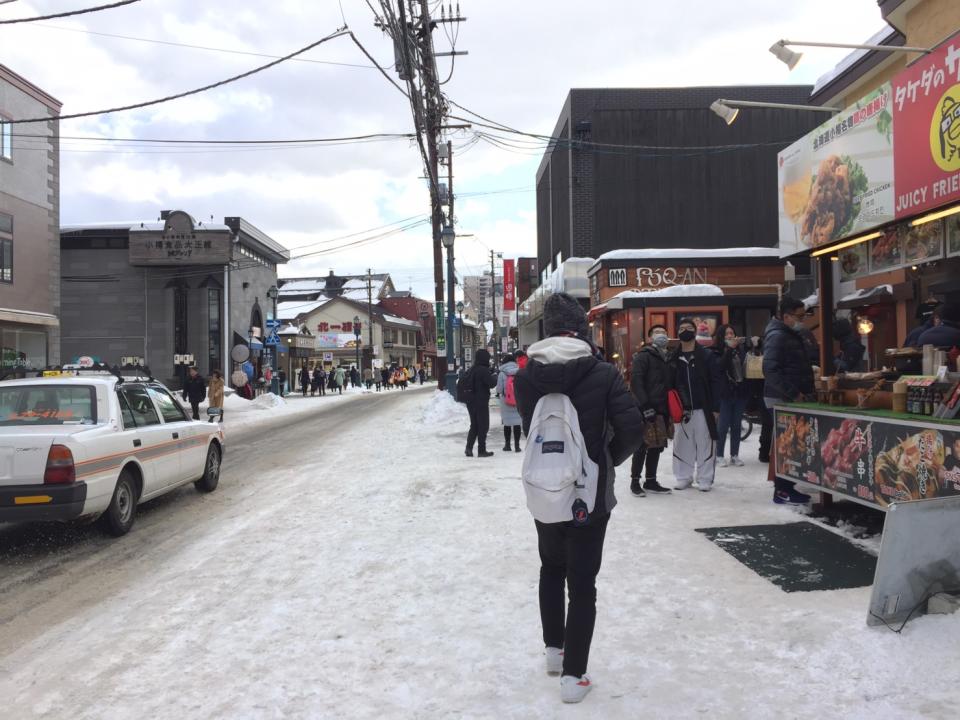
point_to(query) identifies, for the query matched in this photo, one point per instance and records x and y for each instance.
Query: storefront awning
(876, 296)
(596, 311)
(27, 317)
(255, 344)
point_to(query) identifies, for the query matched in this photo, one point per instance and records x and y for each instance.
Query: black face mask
(687, 335)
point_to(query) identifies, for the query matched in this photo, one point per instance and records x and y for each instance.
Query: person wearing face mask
(731, 355)
(788, 377)
(650, 379)
(697, 379)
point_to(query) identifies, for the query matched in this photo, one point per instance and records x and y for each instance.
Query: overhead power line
(271, 141)
(70, 13)
(196, 91)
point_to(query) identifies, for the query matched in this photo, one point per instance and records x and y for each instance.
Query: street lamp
(728, 109)
(791, 58)
(447, 236)
(356, 334)
(273, 293)
(460, 330)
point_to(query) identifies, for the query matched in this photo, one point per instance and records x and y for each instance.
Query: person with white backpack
(509, 415)
(581, 422)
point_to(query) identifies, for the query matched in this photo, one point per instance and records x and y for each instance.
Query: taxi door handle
(137, 443)
(176, 436)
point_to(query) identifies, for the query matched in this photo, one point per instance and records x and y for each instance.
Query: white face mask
(660, 340)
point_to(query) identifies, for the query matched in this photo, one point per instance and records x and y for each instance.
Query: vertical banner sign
(926, 107)
(509, 285)
(441, 318)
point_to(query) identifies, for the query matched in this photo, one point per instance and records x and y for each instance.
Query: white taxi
(88, 446)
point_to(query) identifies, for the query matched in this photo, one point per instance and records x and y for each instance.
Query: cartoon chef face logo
(945, 131)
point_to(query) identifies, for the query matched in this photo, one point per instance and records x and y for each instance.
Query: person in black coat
(282, 378)
(697, 379)
(787, 377)
(480, 379)
(947, 333)
(731, 354)
(929, 316)
(194, 391)
(851, 349)
(304, 380)
(651, 376)
(612, 430)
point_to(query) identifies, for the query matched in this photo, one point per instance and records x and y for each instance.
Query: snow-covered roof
(689, 253)
(140, 226)
(677, 291)
(400, 321)
(289, 330)
(865, 293)
(852, 59)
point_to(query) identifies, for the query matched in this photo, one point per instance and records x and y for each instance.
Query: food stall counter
(872, 456)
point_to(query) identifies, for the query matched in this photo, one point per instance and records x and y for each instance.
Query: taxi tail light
(60, 467)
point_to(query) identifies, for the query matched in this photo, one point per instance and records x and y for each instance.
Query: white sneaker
(736, 461)
(554, 660)
(683, 484)
(574, 689)
(704, 488)
(722, 462)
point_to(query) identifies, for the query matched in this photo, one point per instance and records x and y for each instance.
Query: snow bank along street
(368, 569)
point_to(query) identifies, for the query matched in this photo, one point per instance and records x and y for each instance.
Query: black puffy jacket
(481, 379)
(650, 379)
(944, 335)
(787, 372)
(611, 424)
(194, 389)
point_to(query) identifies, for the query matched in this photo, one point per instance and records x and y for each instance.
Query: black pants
(479, 425)
(195, 406)
(645, 457)
(570, 560)
(516, 436)
(766, 432)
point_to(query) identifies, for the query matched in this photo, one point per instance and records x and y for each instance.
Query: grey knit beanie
(562, 313)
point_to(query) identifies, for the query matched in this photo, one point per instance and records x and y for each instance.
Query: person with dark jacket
(851, 349)
(787, 377)
(282, 379)
(651, 376)
(697, 380)
(318, 383)
(947, 333)
(480, 379)
(194, 391)
(929, 316)
(570, 555)
(304, 380)
(731, 354)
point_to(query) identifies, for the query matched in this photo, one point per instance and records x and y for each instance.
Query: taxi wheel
(122, 511)
(211, 471)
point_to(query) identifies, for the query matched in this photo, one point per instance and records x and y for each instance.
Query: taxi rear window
(48, 405)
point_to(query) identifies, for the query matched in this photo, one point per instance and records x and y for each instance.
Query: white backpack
(557, 470)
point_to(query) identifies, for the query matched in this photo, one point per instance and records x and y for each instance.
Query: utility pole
(493, 303)
(370, 314)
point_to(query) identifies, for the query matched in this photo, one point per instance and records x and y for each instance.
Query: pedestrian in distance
(317, 381)
(339, 379)
(787, 377)
(194, 391)
(354, 377)
(611, 426)
(731, 356)
(422, 374)
(478, 381)
(697, 380)
(385, 378)
(367, 378)
(506, 391)
(282, 379)
(304, 380)
(651, 378)
(215, 391)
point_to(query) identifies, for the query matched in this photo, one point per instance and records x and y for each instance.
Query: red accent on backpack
(509, 397)
(675, 406)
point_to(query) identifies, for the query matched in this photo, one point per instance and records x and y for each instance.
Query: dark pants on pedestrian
(649, 457)
(731, 415)
(766, 432)
(570, 560)
(479, 425)
(195, 406)
(516, 436)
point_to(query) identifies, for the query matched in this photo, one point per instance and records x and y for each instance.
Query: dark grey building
(697, 183)
(156, 289)
(29, 225)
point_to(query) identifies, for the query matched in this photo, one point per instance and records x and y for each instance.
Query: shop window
(6, 140)
(214, 328)
(23, 348)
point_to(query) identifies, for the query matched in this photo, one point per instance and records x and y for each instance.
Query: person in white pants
(696, 378)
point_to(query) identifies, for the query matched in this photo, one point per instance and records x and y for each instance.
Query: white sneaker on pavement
(683, 484)
(722, 462)
(736, 461)
(554, 660)
(574, 689)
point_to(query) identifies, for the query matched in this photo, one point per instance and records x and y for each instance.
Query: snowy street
(356, 564)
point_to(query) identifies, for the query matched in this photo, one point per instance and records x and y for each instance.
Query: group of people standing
(320, 380)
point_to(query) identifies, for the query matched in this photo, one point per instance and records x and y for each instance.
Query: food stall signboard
(865, 457)
(838, 180)
(904, 245)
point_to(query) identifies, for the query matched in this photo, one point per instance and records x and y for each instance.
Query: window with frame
(140, 404)
(6, 139)
(170, 409)
(6, 248)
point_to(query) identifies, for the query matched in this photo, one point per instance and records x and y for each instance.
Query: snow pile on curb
(268, 401)
(443, 410)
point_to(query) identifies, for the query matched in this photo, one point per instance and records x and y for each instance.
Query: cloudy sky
(523, 58)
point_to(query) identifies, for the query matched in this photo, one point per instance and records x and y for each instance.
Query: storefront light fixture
(447, 236)
(790, 58)
(935, 216)
(834, 258)
(849, 243)
(728, 109)
(864, 326)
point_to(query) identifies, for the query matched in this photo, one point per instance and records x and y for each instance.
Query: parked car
(97, 445)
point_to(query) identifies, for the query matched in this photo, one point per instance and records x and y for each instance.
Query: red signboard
(926, 118)
(509, 285)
